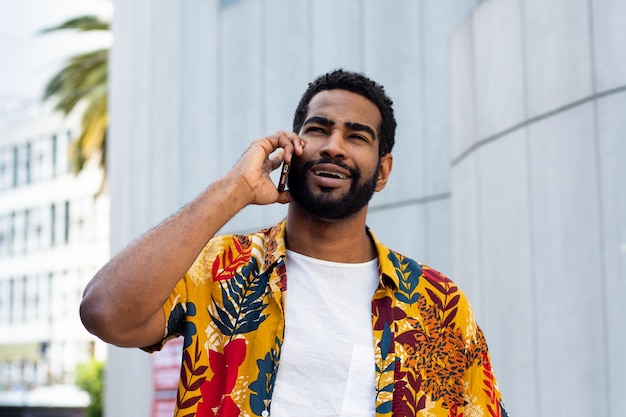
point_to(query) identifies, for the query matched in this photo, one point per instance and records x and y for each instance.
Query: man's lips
(331, 171)
(330, 175)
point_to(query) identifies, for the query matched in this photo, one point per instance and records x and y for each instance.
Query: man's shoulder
(406, 262)
(271, 232)
(224, 255)
(390, 260)
(404, 269)
(423, 291)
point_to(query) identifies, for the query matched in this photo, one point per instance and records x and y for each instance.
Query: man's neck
(342, 240)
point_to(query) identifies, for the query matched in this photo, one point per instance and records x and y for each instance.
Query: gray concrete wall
(194, 81)
(538, 202)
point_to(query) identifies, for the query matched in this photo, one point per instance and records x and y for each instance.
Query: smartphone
(282, 182)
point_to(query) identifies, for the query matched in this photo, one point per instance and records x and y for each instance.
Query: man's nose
(334, 145)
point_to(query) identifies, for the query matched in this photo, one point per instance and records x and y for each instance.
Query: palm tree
(83, 80)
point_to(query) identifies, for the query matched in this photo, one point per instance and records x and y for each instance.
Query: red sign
(163, 407)
(166, 366)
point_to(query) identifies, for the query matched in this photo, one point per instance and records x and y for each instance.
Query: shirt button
(265, 413)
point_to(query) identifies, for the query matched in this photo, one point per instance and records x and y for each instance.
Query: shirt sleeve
(174, 309)
(482, 387)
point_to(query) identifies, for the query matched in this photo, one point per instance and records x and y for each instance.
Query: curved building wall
(538, 97)
(194, 81)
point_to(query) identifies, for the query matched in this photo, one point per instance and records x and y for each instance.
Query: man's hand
(261, 158)
(123, 302)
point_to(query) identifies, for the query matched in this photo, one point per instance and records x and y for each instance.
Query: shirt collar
(386, 271)
(387, 275)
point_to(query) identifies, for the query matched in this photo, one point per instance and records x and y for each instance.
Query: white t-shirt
(327, 358)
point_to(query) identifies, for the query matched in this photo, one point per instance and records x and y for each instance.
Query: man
(313, 316)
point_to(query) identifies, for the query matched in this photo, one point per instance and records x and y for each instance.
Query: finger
(297, 142)
(276, 159)
(291, 143)
(284, 197)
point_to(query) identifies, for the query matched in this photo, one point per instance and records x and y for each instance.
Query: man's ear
(384, 170)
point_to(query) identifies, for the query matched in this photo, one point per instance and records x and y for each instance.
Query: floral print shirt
(431, 357)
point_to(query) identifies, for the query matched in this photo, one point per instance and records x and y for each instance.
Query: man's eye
(316, 129)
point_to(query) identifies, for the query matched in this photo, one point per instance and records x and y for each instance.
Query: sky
(28, 58)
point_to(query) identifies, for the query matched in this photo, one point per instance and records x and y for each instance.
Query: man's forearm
(122, 303)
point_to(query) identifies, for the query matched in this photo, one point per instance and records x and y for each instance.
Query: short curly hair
(359, 84)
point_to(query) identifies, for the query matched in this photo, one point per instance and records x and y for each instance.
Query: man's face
(338, 172)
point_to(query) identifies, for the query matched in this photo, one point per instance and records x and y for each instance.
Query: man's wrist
(236, 189)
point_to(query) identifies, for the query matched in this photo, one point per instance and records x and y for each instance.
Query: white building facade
(54, 235)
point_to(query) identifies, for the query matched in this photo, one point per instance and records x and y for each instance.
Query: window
(12, 232)
(55, 149)
(31, 298)
(82, 229)
(28, 153)
(5, 300)
(16, 303)
(16, 164)
(26, 244)
(46, 301)
(41, 160)
(6, 168)
(68, 163)
(23, 298)
(53, 224)
(42, 299)
(66, 222)
(5, 231)
(40, 223)
(11, 306)
(21, 169)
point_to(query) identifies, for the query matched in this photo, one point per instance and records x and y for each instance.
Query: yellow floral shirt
(431, 357)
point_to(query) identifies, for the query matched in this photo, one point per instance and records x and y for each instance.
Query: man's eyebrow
(319, 120)
(350, 125)
(361, 127)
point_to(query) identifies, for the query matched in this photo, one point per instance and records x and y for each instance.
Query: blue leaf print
(176, 321)
(191, 309)
(243, 301)
(408, 272)
(387, 388)
(384, 408)
(263, 387)
(190, 330)
(190, 327)
(385, 341)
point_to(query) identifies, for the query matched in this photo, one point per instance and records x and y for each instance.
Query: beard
(323, 204)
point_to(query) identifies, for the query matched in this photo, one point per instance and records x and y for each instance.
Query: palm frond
(75, 82)
(91, 141)
(83, 81)
(82, 23)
